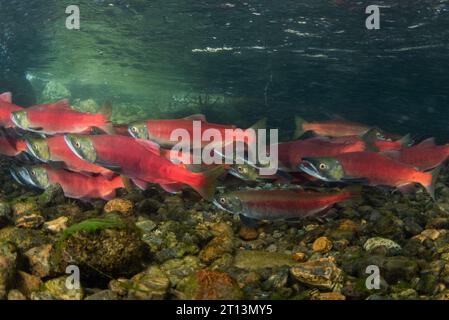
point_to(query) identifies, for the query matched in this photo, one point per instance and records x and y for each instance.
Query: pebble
(322, 244)
(151, 284)
(430, 234)
(16, 295)
(56, 225)
(123, 206)
(373, 243)
(58, 288)
(209, 285)
(321, 273)
(247, 233)
(30, 221)
(328, 296)
(39, 260)
(299, 256)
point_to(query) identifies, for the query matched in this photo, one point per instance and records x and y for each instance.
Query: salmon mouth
(308, 167)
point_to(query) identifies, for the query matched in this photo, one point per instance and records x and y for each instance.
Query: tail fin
(299, 127)
(127, 184)
(407, 140)
(106, 111)
(6, 97)
(208, 185)
(21, 145)
(107, 128)
(431, 188)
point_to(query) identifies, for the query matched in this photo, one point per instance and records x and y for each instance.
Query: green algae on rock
(8, 267)
(107, 247)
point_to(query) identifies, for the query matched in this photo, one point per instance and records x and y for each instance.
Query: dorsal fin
(63, 104)
(6, 97)
(199, 117)
(261, 124)
(106, 109)
(370, 138)
(150, 146)
(429, 142)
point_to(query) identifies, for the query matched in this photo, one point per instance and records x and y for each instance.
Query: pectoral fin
(249, 222)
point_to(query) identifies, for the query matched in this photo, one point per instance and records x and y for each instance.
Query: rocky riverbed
(152, 245)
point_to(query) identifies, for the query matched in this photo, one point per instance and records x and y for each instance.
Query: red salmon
(75, 185)
(373, 167)
(160, 131)
(6, 108)
(279, 204)
(55, 150)
(141, 161)
(424, 156)
(291, 153)
(60, 118)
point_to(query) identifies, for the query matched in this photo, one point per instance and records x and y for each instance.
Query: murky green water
(237, 61)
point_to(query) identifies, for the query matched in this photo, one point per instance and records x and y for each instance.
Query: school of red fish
(90, 157)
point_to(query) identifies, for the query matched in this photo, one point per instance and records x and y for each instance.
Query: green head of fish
(38, 176)
(38, 148)
(245, 172)
(139, 130)
(327, 169)
(82, 146)
(20, 119)
(229, 202)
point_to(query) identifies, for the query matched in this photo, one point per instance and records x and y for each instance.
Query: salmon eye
(222, 200)
(33, 173)
(36, 147)
(240, 169)
(134, 129)
(322, 166)
(77, 144)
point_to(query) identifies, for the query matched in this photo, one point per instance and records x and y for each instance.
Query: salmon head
(325, 168)
(82, 146)
(20, 119)
(139, 130)
(245, 172)
(38, 148)
(229, 202)
(38, 177)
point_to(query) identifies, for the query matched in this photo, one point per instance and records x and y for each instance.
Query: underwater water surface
(241, 60)
(136, 231)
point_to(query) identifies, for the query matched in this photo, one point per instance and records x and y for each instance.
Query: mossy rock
(101, 248)
(24, 239)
